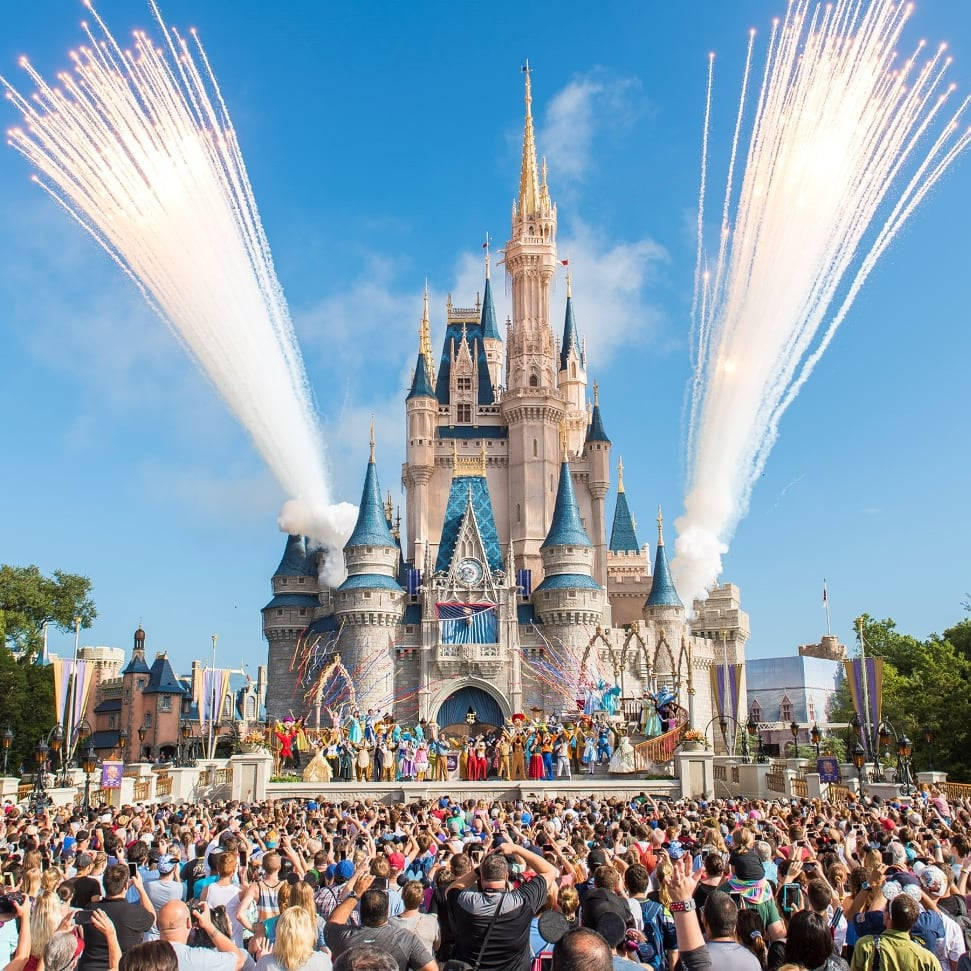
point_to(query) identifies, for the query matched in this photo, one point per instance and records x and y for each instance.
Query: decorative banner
(111, 773)
(524, 580)
(211, 691)
(828, 768)
(414, 582)
(62, 675)
(873, 694)
(83, 676)
(460, 623)
(726, 696)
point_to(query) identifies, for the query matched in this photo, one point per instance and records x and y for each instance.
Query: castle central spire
(529, 197)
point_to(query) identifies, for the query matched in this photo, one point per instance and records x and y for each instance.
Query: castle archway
(490, 709)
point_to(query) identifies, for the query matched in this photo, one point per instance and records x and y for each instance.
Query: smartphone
(82, 917)
(8, 880)
(132, 869)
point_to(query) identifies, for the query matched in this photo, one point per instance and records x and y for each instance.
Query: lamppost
(142, 732)
(927, 732)
(904, 750)
(723, 721)
(89, 762)
(794, 728)
(859, 760)
(6, 740)
(815, 736)
(39, 798)
(122, 743)
(186, 732)
(753, 730)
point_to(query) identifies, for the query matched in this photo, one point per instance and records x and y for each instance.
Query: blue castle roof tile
(462, 489)
(623, 538)
(566, 529)
(162, 679)
(370, 581)
(371, 528)
(595, 430)
(663, 592)
(568, 581)
(421, 385)
(487, 324)
(297, 560)
(293, 600)
(571, 337)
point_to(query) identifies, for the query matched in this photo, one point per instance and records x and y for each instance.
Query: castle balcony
(484, 660)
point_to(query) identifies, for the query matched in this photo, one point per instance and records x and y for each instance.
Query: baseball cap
(344, 870)
(396, 860)
(166, 864)
(597, 857)
(82, 860)
(933, 880)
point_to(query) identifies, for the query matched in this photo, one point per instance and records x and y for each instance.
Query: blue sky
(382, 141)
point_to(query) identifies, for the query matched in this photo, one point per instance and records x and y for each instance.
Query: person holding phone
(131, 921)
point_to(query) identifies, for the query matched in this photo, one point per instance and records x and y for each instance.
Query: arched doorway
(453, 710)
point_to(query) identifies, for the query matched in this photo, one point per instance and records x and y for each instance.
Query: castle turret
(596, 447)
(421, 411)
(572, 376)
(664, 611)
(371, 596)
(569, 602)
(491, 338)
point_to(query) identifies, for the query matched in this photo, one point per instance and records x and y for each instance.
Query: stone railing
(955, 790)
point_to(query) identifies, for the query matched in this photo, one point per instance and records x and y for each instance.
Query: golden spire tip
(620, 474)
(660, 527)
(372, 438)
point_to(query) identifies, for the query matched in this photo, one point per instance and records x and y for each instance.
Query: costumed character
(439, 749)
(622, 761)
(284, 737)
(649, 721)
(345, 759)
(534, 752)
(332, 755)
(518, 750)
(547, 750)
(355, 733)
(562, 752)
(591, 700)
(390, 759)
(408, 760)
(380, 757)
(604, 749)
(611, 699)
(421, 761)
(420, 731)
(318, 768)
(369, 721)
(467, 761)
(590, 753)
(503, 750)
(481, 760)
(363, 762)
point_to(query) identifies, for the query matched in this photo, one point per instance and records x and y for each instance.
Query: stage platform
(494, 790)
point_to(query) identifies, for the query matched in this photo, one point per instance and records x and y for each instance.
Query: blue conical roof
(623, 538)
(663, 593)
(371, 528)
(421, 385)
(488, 319)
(571, 337)
(595, 430)
(567, 527)
(296, 562)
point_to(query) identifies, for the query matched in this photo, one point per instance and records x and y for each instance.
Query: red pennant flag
(565, 262)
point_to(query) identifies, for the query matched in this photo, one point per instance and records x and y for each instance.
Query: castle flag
(867, 696)
(726, 695)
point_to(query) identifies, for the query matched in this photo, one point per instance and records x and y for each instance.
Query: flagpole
(829, 629)
(212, 694)
(726, 694)
(866, 691)
(72, 687)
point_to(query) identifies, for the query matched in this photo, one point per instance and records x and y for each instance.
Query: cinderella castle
(508, 590)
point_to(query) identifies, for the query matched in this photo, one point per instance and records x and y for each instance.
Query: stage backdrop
(456, 707)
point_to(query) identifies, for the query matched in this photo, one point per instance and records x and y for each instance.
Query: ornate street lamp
(815, 736)
(859, 760)
(6, 740)
(753, 730)
(142, 732)
(39, 797)
(89, 762)
(885, 734)
(927, 732)
(185, 731)
(122, 742)
(905, 748)
(794, 728)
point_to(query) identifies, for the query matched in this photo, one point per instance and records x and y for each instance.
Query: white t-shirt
(318, 961)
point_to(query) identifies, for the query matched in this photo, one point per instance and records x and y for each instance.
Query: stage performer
(390, 759)
(562, 752)
(547, 749)
(440, 749)
(363, 762)
(503, 748)
(354, 731)
(421, 760)
(576, 749)
(650, 723)
(345, 759)
(518, 757)
(611, 699)
(369, 721)
(622, 761)
(284, 736)
(332, 754)
(481, 760)
(534, 750)
(604, 749)
(408, 760)
(318, 768)
(590, 753)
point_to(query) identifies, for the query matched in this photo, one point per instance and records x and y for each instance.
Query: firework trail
(138, 148)
(847, 139)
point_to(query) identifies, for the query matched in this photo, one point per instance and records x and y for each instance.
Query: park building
(516, 577)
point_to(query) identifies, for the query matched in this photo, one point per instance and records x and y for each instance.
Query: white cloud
(591, 105)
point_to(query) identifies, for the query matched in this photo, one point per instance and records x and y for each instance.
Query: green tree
(26, 706)
(925, 684)
(29, 600)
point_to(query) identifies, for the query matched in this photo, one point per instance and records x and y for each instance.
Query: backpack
(651, 952)
(929, 930)
(325, 900)
(957, 909)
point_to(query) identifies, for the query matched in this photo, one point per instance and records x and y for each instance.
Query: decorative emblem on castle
(504, 594)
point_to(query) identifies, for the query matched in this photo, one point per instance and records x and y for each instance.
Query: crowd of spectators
(568, 884)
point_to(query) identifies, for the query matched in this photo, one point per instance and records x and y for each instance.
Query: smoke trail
(841, 143)
(138, 148)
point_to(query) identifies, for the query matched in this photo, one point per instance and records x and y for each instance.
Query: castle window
(148, 719)
(367, 594)
(166, 703)
(301, 579)
(785, 709)
(250, 707)
(279, 612)
(463, 414)
(111, 721)
(535, 448)
(463, 384)
(519, 513)
(303, 611)
(533, 380)
(573, 370)
(284, 581)
(551, 482)
(141, 683)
